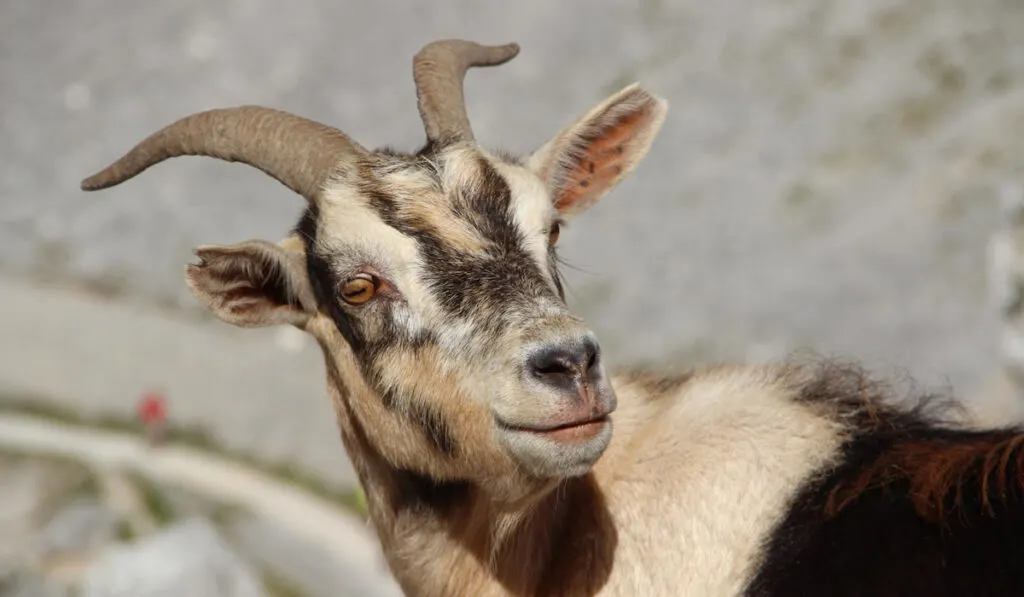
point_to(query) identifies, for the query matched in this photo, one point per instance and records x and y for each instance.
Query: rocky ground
(67, 529)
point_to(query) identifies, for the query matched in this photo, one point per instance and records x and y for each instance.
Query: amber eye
(553, 234)
(359, 289)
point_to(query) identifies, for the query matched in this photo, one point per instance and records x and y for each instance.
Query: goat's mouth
(556, 449)
(573, 431)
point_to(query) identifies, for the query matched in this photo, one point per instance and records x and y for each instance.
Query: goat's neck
(451, 539)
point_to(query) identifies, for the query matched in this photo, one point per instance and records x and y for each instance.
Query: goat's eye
(553, 233)
(359, 289)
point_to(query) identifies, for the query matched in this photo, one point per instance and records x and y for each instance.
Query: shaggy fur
(914, 506)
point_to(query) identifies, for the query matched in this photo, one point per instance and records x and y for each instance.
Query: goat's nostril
(553, 367)
(565, 363)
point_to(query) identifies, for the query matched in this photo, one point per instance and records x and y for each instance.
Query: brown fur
(430, 205)
(937, 471)
(562, 546)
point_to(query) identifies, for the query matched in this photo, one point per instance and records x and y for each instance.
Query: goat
(478, 413)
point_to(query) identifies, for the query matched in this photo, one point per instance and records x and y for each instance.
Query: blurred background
(836, 176)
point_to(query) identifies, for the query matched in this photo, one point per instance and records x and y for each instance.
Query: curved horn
(299, 153)
(439, 69)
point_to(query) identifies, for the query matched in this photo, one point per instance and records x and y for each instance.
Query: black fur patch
(434, 427)
(912, 509)
(393, 153)
(847, 393)
(468, 285)
(421, 495)
(556, 274)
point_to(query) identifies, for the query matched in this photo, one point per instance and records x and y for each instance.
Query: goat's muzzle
(574, 373)
(567, 424)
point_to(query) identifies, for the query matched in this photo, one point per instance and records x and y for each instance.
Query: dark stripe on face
(326, 287)
(468, 285)
(413, 490)
(434, 427)
(418, 410)
(369, 350)
(324, 283)
(556, 274)
(391, 339)
(422, 495)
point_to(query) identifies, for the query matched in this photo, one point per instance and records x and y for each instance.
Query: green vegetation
(154, 500)
(125, 533)
(278, 586)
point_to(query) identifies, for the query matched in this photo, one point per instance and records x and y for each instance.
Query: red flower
(152, 408)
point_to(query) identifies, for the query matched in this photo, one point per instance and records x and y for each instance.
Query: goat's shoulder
(660, 388)
(726, 393)
(832, 476)
(717, 453)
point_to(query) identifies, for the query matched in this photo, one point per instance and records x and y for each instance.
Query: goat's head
(430, 279)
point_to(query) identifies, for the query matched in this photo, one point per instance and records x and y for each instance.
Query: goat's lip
(552, 427)
(580, 429)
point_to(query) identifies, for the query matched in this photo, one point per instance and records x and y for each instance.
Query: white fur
(353, 231)
(697, 480)
(532, 208)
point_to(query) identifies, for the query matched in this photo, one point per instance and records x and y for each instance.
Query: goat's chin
(557, 455)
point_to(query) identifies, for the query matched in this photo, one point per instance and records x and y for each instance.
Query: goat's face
(431, 282)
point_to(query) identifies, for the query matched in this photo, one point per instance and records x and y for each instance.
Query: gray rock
(82, 526)
(189, 558)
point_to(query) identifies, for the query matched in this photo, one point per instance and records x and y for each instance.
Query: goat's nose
(565, 365)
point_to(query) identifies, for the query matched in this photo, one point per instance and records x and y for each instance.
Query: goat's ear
(253, 284)
(587, 159)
